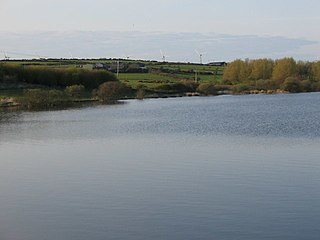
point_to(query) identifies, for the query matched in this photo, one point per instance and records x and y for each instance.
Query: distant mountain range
(147, 45)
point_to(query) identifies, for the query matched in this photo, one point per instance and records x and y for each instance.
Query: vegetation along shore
(48, 83)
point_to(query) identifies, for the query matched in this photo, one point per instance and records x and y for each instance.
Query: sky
(292, 21)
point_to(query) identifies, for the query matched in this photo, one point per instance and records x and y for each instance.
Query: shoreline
(11, 103)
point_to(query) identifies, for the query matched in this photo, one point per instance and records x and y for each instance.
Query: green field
(151, 80)
(148, 80)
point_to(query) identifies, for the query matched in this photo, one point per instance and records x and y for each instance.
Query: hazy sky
(286, 18)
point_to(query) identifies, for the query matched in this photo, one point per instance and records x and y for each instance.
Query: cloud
(147, 45)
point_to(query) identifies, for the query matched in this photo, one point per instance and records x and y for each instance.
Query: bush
(291, 84)
(110, 92)
(75, 91)
(222, 88)
(172, 87)
(191, 86)
(306, 86)
(35, 97)
(39, 98)
(207, 89)
(1, 74)
(241, 88)
(140, 94)
(316, 86)
(267, 84)
(180, 87)
(58, 98)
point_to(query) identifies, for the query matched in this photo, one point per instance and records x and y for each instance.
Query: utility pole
(118, 68)
(195, 76)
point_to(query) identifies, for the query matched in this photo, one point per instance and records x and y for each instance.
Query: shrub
(306, 86)
(35, 98)
(140, 94)
(316, 86)
(291, 84)
(172, 87)
(75, 91)
(267, 84)
(39, 98)
(111, 91)
(191, 86)
(94, 93)
(241, 88)
(58, 98)
(207, 89)
(1, 73)
(222, 88)
(180, 87)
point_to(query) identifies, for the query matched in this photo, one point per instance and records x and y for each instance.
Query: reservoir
(227, 167)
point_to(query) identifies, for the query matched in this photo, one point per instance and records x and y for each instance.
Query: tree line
(267, 74)
(55, 77)
(45, 98)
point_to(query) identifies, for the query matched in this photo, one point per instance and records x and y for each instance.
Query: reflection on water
(231, 167)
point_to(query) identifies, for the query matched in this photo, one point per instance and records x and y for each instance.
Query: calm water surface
(229, 167)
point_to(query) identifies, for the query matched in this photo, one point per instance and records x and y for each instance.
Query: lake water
(227, 167)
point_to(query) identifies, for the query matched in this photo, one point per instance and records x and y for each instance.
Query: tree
(304, 70)
(261, 69)
(58, 77)
(237, 71)
(315, 70)
(284, 68)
